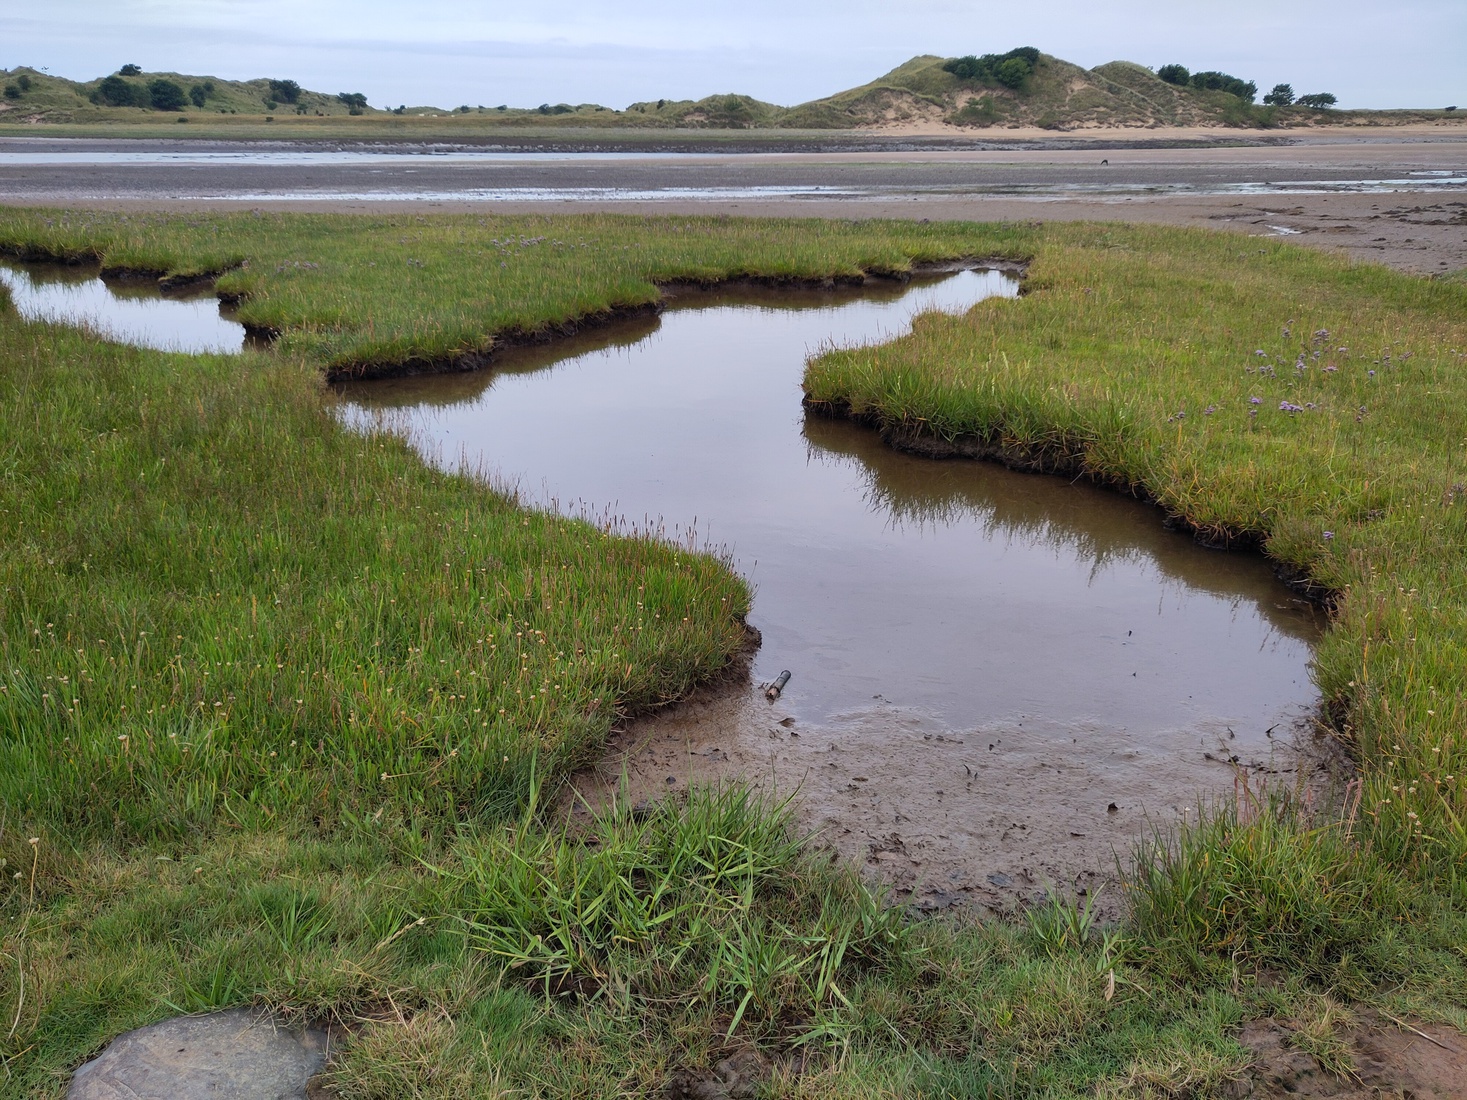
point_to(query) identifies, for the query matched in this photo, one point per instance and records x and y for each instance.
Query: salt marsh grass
(365, 295)
(223, 605)
(281, 707)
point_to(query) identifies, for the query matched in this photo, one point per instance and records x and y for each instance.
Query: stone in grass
(241, 1054)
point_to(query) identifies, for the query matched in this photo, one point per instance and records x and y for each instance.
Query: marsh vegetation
(280, 706)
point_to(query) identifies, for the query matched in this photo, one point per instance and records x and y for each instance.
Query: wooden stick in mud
(772, 691)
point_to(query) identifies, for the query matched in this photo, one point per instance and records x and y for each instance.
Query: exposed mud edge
(731, 675)
(1386, 1056)
(916, 440)
(174, 282)
(33, 254)
(480, 358)
(166, 282)
(669, 289)
(728, 677)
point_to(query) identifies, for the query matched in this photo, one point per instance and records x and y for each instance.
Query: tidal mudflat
(1392, 195)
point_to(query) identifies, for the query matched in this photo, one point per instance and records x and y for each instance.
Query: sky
(1370, 53)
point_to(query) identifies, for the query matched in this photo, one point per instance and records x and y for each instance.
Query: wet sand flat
(1392, 197)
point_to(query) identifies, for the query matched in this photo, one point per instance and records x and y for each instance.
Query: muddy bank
(988, 817)
(991, 816)
(1386, 1057)
(508, 341)
(914, 441)
(130, 306)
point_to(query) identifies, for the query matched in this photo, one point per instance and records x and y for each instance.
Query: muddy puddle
(130, 311)
(999, 679)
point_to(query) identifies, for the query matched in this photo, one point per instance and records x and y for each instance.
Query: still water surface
(958, 590)
(127, 311)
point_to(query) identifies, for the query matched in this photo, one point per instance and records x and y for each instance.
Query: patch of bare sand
(1389, 1059)
(989, 817)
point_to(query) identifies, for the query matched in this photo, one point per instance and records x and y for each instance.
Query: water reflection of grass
(923, 494)
(1038, 511)
(273, 692)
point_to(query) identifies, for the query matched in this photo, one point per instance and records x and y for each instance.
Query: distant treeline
(1282, 95)
(128, 88)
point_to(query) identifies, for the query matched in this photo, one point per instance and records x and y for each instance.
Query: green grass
(282, 708)
(221, 606)
(364, 293)
(598, 961)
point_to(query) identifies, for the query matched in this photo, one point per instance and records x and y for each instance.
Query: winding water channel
(961, 589)
(130, 311)
(999, 679)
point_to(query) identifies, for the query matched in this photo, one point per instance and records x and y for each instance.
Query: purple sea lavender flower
(1255, 401)
(1328, 535)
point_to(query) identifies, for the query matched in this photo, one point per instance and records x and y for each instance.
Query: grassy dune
(279, 706)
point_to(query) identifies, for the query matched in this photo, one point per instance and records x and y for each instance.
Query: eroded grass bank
(275, 696)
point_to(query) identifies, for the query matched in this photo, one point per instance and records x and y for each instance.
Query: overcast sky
(1371, 53)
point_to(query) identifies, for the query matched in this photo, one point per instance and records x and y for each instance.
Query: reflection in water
(923, 496)
(130, 311)
(964, 591)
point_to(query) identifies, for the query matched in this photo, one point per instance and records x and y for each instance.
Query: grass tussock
(277, 702)
(630, 910)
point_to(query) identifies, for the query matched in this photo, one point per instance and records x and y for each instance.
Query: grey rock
(241, 1054)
